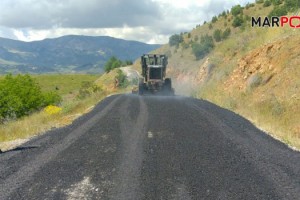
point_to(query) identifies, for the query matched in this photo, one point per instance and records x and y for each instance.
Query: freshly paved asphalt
(132, 147)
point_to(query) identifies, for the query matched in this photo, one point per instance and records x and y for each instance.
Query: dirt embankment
(267, 80)
(269, 64)
(263, 84)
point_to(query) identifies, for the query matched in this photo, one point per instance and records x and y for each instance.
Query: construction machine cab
(154, 72)
(154, 67)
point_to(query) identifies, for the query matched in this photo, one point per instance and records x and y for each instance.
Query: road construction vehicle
(154, 79)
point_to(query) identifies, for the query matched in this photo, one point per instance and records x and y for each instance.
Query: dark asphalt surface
(132, 147)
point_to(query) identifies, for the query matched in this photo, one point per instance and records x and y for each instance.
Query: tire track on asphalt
(162, 173)
(17, 179)
(133, 133)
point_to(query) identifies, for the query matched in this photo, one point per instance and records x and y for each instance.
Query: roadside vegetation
(51, 101)
(114, 63)
(201, 49)
(249, 70)
(21, 96)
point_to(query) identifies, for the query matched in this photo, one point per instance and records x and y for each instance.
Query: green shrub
(223, 13)
(278, 11)
(207, 41)
(276, 2)
(210, 26)
(83, 93)
(292, 5)
(127, 62)
(236, 10)
(217, 35)
(122, 79)
(95, 88)
(200, 50)
(175, 40)
(214, 19)
(112, 63)
(20, 95)
(249, 5)
(226, 33)
(267, 3)
(51, 98)
(87, 89)
(205, 46)
(237, 21)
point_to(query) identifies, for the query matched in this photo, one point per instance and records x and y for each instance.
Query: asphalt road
(132, 147)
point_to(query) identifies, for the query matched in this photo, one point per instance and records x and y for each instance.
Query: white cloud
(151, 21)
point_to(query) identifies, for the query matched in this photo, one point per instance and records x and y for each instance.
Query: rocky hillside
(252, 71)
(66, 54)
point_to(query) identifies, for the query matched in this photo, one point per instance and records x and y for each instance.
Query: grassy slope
(72, 107)
(66, 83)
(245, 55)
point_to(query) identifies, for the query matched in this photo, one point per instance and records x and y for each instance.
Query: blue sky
(150, 21)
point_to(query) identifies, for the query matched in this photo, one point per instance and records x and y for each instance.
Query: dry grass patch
(42, 121)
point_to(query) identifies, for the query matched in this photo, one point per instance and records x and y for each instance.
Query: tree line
(114, 63)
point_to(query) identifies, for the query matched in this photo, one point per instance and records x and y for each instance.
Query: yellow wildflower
(51, 110)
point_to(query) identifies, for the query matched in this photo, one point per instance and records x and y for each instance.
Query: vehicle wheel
(168, 86)
(141, 86)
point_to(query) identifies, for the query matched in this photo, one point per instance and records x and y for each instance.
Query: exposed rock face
(265, 62)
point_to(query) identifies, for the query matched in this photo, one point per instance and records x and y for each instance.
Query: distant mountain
(67, 54)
